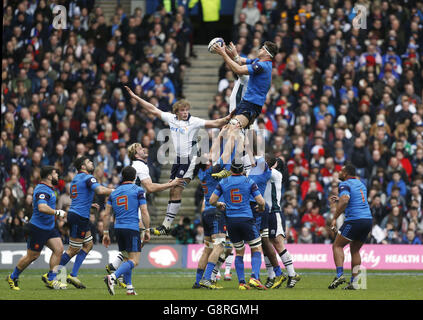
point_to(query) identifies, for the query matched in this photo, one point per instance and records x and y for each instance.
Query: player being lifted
(42, 231)
(184, 131)
(139, 155)
(82, 190)
(126, 201)
(260, 72)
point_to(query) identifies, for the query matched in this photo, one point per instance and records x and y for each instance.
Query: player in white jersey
(273, 196)
(238, 91)
(184, 131)
(138, 156)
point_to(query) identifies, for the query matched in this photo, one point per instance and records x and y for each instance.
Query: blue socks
(16, 273)
(199, 275)
(339, 271)
(209, 270)
(80, 257)
(278, 271)
(239, 267)
(124, 268)
(127, 277)
(51, 275)
(65, 259)
(256, 264)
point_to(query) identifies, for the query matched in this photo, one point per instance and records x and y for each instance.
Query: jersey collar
(126, 182)
(140, 160)
(47, 185)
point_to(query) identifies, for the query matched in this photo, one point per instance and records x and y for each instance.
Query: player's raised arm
(145, 217)
(235, 67)
(103, 190)
(218, 123)
(152, 187)
(145, 104)
(233, 54)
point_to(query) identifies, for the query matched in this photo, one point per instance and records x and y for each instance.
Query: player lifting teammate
(184, 131)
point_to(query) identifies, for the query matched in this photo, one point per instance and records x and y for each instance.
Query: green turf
(153, 284)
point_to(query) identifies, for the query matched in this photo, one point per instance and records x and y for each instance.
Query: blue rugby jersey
(43, 194)
(209, 184)
(260, 174)
(82, 190)
(358, 207)
(236, 191)
(260, 80)
(125, 201)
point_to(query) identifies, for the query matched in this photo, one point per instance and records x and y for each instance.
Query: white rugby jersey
(273, 193)
(184, 133)
(142, 171)
(238, 91)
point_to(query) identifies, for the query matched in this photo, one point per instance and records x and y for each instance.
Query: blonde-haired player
(184, 132)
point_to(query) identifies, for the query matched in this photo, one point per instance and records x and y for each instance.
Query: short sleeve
(254, 190)
(42, 197)
(218, 191)
(92, 183)
(141, 197)
(198, 122)
(344, 189)
(250, 61)
(167, 117)
(255, 68)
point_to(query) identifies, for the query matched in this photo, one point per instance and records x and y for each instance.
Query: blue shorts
(78, 225)
(242, 229)
(248, 109)
(356, 230)
(262, 218)
(37, 237)
(128, 240)
(213, 222)
(276, 224)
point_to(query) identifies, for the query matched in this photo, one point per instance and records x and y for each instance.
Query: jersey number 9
(122, 201)
(73, 192)
(236, 197)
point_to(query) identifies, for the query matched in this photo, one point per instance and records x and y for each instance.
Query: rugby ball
(219, 41)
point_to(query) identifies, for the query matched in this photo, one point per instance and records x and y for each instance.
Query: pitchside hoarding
(152, 256)
(319, 256)
(305, 256)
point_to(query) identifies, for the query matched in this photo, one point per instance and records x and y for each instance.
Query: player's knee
(88, 243)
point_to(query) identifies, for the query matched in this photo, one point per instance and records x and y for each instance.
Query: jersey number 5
(122, 201)
(73, 192)
(236, 197)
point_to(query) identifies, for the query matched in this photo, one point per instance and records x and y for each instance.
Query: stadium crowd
(338, 94)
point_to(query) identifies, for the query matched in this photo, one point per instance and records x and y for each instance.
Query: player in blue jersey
(42, 231)
(260, 72)
(351, 199)
(214, 229)
(125, 202)
(82, 189)
(240, 222)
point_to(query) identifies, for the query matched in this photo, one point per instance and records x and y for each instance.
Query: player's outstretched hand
(333, 199)
(60, 213)
(231, 50)
(221, 50)
(221, 206)
(106, 240)
(333, 226)
(133, 95)
(178, 182)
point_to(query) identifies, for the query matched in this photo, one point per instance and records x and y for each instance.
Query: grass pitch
(154, 284)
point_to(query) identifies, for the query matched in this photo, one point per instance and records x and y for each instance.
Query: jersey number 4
(236, 197)
(122, 201)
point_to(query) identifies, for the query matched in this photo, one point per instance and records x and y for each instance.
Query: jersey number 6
(122, 201)
(236, 197)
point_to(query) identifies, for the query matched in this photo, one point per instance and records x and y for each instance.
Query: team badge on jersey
(181, 173)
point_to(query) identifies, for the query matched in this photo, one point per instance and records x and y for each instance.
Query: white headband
(265, 48)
